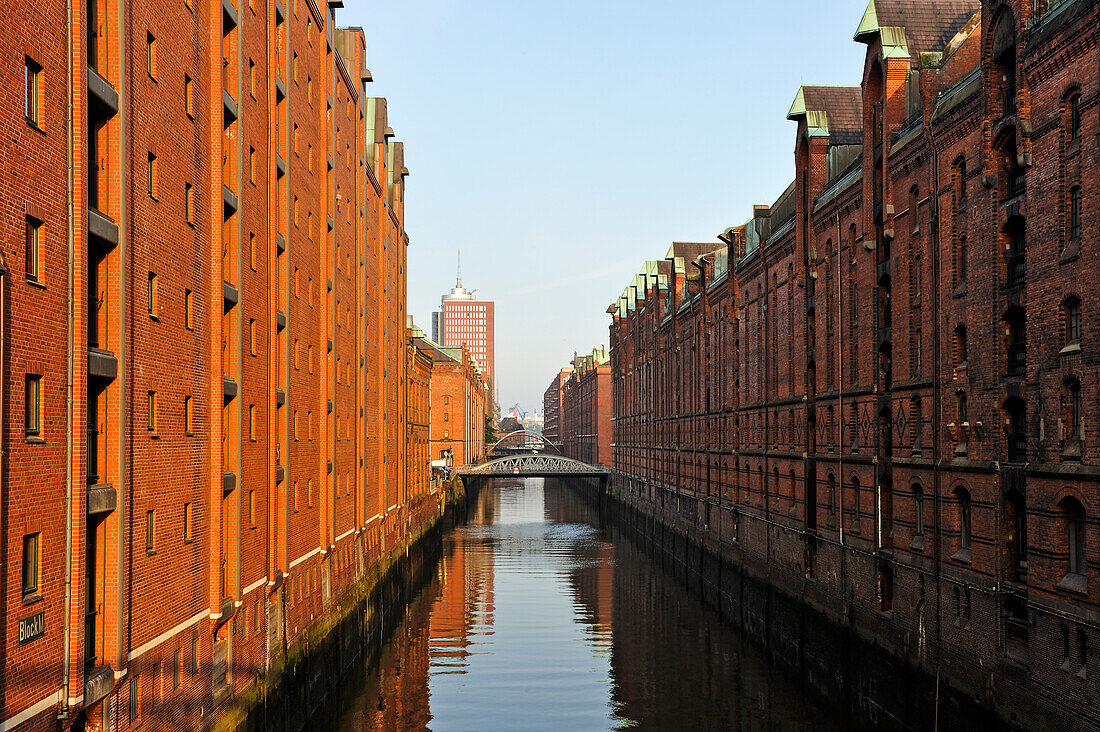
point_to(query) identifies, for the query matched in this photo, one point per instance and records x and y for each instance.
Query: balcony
(102, 228)
(102, 364)
(229, 482)
(101, 94)
(229, 198)
(102, 499)
(98, 680)
(229, 105)
(229, 387)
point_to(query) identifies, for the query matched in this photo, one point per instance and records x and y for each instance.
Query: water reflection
(535, 620)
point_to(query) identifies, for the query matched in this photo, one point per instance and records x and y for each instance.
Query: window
(309, 358)
(251, 336)
(189, 203)
(961, 346)
(1075, 212)
(295, 502)
(152, 416)
(151, 55)
(251, 422)
(33, 409)
(252, 507)
(251, 165)
(295, 425)
(918, 510)
(151, 175)
(296, 362)
(309, 424)
(189, 309)
(151, 531)
(252, 78)
(1071, 312)
(153, 292)
(32, 98)
(188, 96)
(252, 250)
(1075, 425)
(32, 249)
(309, 493)
(30, 564)
(1075, 117)
(961, 256)
(134, 687)
(1074, 515)
(194, 656)
(962, 498)
(188, 415)
(188, 523)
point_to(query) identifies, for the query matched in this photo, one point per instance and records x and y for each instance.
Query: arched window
(885, 588)
(1074, 224)
(1074, 109)
(1071, 316)
(1016, 341)
(961, 345)
(793, 486)
(962, 500)
(960, 184)
(1073, 514)
(1016, 264)
(918, 510)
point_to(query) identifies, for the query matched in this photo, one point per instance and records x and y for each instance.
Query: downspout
(63, 712)
(838, 481)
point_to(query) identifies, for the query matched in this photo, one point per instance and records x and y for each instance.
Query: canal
(538, 618)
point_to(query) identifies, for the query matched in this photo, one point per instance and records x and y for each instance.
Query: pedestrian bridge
(534, 466)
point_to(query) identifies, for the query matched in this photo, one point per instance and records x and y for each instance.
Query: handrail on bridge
(531, 466)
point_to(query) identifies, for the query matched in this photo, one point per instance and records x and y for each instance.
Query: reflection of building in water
(464, 605)
(592, 574)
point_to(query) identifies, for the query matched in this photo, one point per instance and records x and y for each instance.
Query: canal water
(536, 620)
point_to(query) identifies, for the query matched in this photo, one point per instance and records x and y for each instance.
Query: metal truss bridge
(534, 466)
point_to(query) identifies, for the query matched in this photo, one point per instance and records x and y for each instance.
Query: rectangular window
(153, 291)
(151, 531)
(296, 363)
(309, 358)
(194, 656)
(32, 249)
(251, 165)
(251, 336)
(30, 564)
(252, 78)
(188, 96)
(295, 425)
(188, 523)
(189, 309)
(252, 507)
(309, 493)
(189, 203)
(252, 422)
(309, 424)
(151, 54)
(252, 250)
(32, 107)
(134, 708)
(177, 663)
(33, 411)
(295, 500)
(151, 174)
(188, 415)
(152, 416)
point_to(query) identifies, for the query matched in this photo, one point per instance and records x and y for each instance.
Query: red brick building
(460, 403)
(887, 404)
(585, 415)
(205, 358)
(551, 407)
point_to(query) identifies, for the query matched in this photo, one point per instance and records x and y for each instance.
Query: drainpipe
(838, 481)
(63, 711)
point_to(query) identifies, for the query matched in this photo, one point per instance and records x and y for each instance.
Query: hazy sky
(561, 144)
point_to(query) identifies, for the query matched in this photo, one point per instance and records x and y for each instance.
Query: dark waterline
(534, 620)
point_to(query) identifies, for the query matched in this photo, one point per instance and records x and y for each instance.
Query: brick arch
(1072, 491)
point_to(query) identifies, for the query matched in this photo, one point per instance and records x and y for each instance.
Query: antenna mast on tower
(458, 281)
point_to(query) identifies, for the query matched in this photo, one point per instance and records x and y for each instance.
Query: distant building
(585, 417)
(465, 320)
(460, 402)
(551, 406)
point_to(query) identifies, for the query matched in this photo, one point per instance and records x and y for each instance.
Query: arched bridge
(534, 466)
(522, 441)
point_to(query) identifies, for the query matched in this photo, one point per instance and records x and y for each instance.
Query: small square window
(33, 249)
(151, 531)
(188, 523)
(33, 410)
(32, 100)
(30, 564)
(152, 415)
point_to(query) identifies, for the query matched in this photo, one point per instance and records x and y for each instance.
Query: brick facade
(229, 422)
(551, 407)
(585, 414)
(888, 404)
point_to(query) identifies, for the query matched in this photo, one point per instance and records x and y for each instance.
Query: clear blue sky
(561, 144)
